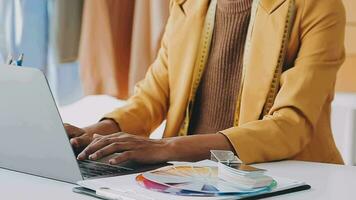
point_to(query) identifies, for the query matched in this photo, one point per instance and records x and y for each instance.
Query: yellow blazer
(284, 106)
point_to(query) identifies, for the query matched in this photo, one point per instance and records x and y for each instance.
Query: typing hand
(135, 148)
(81, 137)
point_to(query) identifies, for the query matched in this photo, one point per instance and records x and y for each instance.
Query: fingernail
(81, 156)
(74, 142)
(111, 162)
(93, 157)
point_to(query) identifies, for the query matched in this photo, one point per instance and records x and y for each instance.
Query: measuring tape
(200, 63)
(279, 68)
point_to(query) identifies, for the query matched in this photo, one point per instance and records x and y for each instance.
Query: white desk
(327, 181)
(18, 186)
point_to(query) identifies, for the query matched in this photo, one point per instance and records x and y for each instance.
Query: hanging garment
(149, 21)
(119, 41)
(105, 46)
(65, 29)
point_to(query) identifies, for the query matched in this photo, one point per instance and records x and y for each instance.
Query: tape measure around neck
(246, 58)
(279, 68)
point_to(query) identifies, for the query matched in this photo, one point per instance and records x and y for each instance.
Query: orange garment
(150, 18)
(120, 40)
(105, 46)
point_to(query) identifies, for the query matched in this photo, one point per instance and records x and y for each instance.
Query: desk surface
(327, 181)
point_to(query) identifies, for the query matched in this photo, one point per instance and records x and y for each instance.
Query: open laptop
(33, 139)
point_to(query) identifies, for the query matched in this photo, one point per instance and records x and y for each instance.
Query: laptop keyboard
(91, 169)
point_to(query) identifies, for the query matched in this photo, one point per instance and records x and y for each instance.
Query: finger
(80, 141)
(115, 147)
(95, 145)
(97, 136)
(121, 135)
(123, 157)
(102, 141)
(73, 131)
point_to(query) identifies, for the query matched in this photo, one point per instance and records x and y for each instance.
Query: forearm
(144, 150)
(196, 147)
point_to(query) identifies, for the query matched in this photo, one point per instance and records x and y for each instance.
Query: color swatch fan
(194, 181)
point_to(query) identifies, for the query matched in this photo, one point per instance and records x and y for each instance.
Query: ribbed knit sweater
(216, 96)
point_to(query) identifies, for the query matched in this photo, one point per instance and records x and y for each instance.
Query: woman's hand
(135, 148)
(145, 150)
(78, 136)
(82, 137)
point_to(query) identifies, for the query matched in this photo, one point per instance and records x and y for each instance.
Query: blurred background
(84, 46)
(94, 51)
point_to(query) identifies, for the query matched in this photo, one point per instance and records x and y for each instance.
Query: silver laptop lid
(33, 139)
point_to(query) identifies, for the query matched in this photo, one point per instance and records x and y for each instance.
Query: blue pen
(19, 60)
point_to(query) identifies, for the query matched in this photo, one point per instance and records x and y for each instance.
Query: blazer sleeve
(305, 88)
(148, 107)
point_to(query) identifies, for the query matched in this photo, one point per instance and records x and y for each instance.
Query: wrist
(170, 149)
(195, 147)
(110, 125)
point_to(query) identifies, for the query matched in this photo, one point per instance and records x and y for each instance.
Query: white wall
(344, 125)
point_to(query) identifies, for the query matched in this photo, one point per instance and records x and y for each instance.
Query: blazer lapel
(183, 47)
(268, 5)
(271, 5)
(262, 58)
(191, 7)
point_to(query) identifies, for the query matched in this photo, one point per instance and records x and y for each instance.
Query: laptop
(33, 138)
